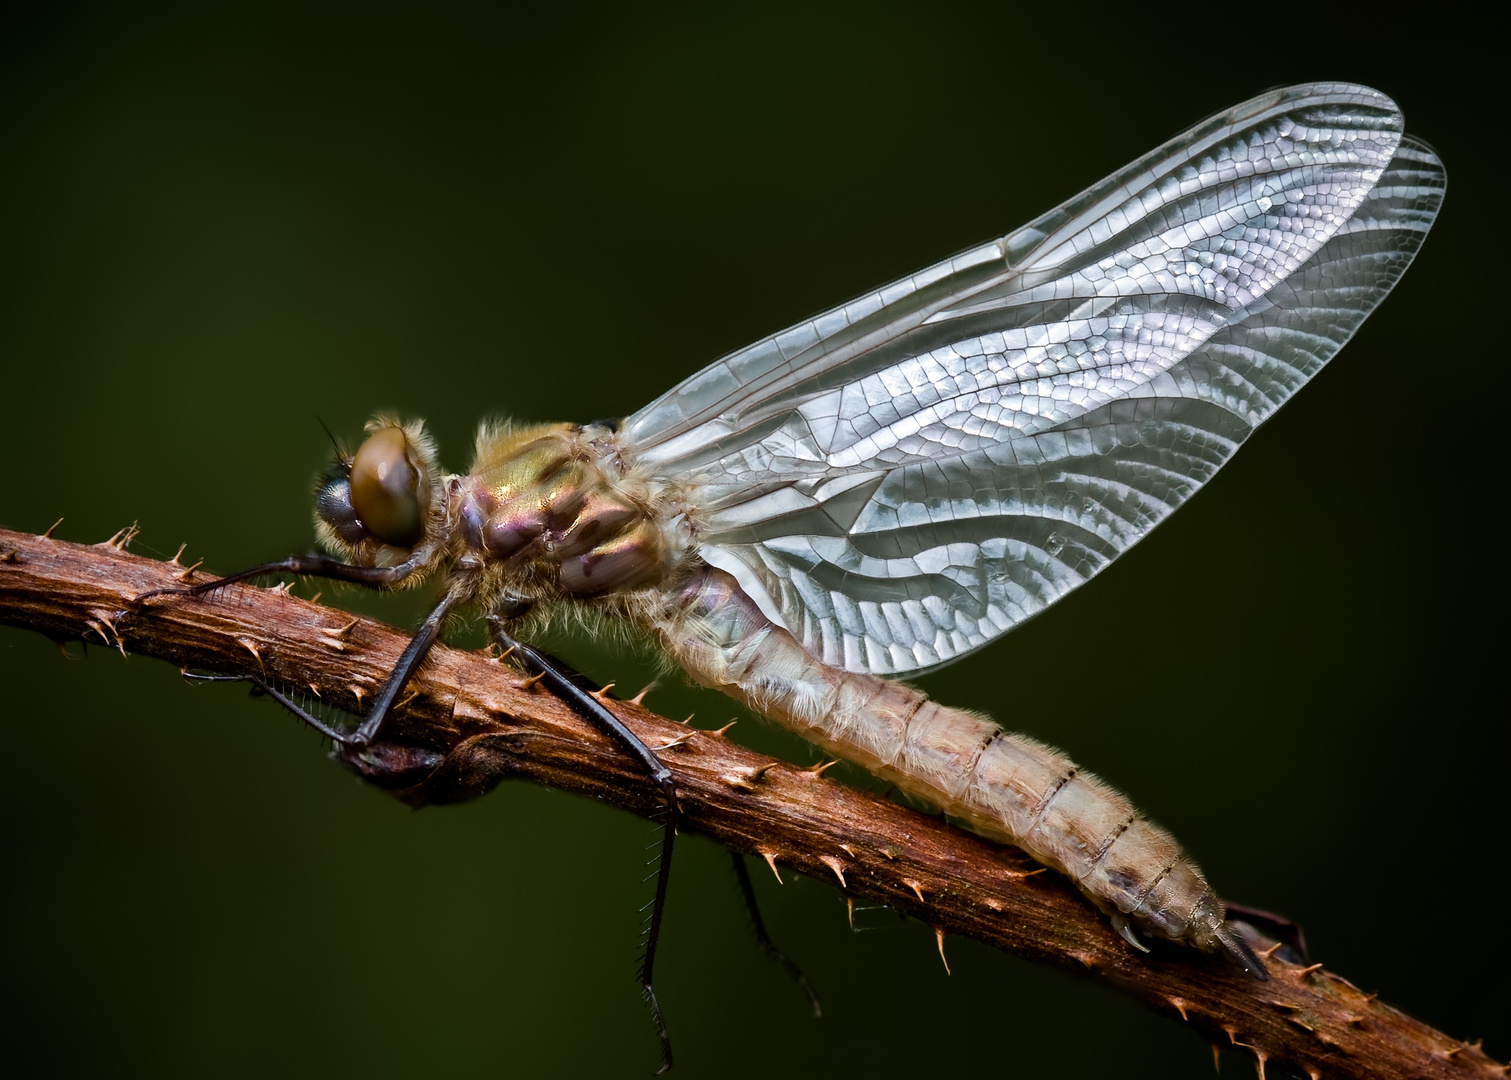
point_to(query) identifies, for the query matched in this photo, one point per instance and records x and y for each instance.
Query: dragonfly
(888, 486)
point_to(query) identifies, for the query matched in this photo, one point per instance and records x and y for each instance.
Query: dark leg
(305, 566)
(409, 662)
(264, 687)
(585, 705)
(373, 576)
(763, 939)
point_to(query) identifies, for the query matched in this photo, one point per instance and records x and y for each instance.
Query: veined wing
(1119, 279)
(1033, 414)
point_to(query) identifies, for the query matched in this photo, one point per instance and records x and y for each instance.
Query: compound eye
(385, 489)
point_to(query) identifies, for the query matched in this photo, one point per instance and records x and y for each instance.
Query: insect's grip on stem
(374, 577)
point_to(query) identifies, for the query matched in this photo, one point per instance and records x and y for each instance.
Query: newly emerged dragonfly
(881, 489)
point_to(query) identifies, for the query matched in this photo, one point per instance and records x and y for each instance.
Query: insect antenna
(341, 454)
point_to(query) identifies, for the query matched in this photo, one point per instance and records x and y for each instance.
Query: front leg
(374, 577)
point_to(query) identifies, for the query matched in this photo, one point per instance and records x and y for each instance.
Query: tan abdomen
(1007, 787)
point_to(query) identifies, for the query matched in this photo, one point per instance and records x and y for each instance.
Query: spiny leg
(387, 764)
(375, 577)
(763, 939)
(263, 686)
(559, 680)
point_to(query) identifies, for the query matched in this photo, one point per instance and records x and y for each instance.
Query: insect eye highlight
(386, 487)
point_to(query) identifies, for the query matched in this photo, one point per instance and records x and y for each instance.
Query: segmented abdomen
(1007, 787)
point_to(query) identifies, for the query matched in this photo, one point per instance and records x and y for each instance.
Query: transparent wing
(946, 457)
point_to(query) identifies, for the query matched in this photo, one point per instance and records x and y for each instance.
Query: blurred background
(224, 225)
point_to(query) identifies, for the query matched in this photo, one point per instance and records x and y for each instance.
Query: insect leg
(374, 577)
(409, 662)
(265, 687)
(592, 710)
(305, 566)
(763, 939)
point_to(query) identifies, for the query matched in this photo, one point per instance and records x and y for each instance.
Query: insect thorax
(552, 512)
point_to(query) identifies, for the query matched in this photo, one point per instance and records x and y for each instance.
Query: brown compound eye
(386, 487)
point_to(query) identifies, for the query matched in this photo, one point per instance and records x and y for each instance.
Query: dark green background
(220, 227)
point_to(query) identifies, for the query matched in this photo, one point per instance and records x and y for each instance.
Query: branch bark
(474, 722)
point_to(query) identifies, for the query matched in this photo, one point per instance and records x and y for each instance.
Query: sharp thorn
(188, 571)
(939, 938)
(251, 646)
(1308, 970)
(48, 534)
(1271, 950)
(816, 771)
(770, 857)
(174, 561)
(123, 537)
(723, 729)
(745, 779)
(1180, 1007)
(412, 695)
(314, 689)
(316, 598)
(1216, 1060)
(917, 889)
(836, 865)
(529, 683)
(680, 740)
(639, 699)
(850, 910)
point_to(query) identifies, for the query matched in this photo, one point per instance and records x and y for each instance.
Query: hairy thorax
(554, 512)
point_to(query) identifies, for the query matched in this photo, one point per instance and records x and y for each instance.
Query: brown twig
(487, 724)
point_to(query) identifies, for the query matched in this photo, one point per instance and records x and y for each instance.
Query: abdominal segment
(1004, 786)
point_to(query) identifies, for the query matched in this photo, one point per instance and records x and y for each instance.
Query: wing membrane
(913, 477)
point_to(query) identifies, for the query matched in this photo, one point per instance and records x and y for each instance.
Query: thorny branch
(491, 724)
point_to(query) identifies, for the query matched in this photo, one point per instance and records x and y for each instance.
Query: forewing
(1035, 414)
(1021, 333)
